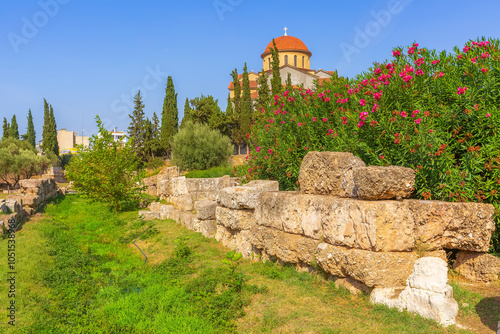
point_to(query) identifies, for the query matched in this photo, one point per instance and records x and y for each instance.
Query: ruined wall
(352, 222)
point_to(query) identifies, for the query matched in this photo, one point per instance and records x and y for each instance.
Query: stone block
(329, 173)
(205, 209)
(376, 182)
(477, 267)
(263, 185)
(208, 228)
(13, 203)
(351, 285)
(464, 226)
(240, 197)
(187, 219)
(239, 241)
(235, 219)
(149, 215)
(370, 225)
(183, 202)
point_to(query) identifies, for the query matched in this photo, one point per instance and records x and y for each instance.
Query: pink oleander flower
(325, 120)
(485, 55)
(488, 115)
(270, 150)
(377, 71)
(257, 149)
(474, 60)
(414, 113)
(461, 90)
(377, 95)
(363, 115)
(403, 114)
(407, 78)
(360, 124)
(484, 70)
(314, 119)
(396, 53)
(434, 62)
(344, 120)
(362, 102)
(375, 107)
(441, 74)
(419, 72)
(466, 49)
(418, 120)
(306, 148)
(299, 124)
(419, 61)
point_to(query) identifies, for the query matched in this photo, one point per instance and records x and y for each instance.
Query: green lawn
(77, 272)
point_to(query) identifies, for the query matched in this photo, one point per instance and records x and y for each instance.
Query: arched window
(286, 60)
(269, 62)
(303, 62)
(295, 61)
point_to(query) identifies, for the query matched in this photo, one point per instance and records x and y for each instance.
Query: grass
(79, 273)
(220, 171)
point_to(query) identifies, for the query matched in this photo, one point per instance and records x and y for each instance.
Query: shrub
(196, 146)
(155, 163)
(107, 171)
(437, 113)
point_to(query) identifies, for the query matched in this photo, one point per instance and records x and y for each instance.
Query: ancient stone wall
(353, 223)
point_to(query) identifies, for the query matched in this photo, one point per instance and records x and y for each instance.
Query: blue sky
(90, 57)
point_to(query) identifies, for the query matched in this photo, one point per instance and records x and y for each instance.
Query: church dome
(287, 43)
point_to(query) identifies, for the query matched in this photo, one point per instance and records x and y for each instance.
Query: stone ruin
(351, 222)
(34, 194)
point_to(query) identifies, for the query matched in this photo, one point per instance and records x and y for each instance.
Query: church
(295, 59)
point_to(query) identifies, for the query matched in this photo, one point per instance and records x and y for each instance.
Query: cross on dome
(285, 30)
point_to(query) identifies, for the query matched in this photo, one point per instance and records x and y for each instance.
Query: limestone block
(187, 219)
(377, 182)
(378, 226)
(183, 202)
(263, 185)
(329, 173)
(428, 294)
(210, 184)
(437, 303)
(238, 197)
(289, 248)
(235, 219)
(169, 212)
(3, 206)
(477, 267)
(350, 284)
(239, 241)
(330, 258)
(13, 204)
(208, 228)
(179, 186)
(464, 226)
(170, 172)
(155, 206)
(149, 215)
(205, 209)
(164, 185)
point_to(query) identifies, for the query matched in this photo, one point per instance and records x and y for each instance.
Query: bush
(437, 113)
(107, 171)
(196, 146)
(155, 163)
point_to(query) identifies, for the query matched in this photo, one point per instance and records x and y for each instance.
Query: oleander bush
(435, 112)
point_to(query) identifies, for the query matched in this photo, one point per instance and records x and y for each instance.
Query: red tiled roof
(287, 43)
(253, 85)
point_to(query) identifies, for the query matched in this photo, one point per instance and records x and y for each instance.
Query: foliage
(235, 171)
(14, 128)
(106, 171)
(205, 110)
(197, 146)
(437, 113)
(236, 108)
(246, 110)
(186, 116)
(169, 116)
(155, 163)
(18, 159)
(31, 134)
(6, 128)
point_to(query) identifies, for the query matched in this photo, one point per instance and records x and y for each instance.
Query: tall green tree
(288, 85)
(148, 146)
(137, 126)
(156, 135)
(235, 135)
(49, 134)
(263, 97)
(169, 116)
(276, 86)
(31, 134)
(187, 110)
(246, 110)
(14, 128)
(6, 128)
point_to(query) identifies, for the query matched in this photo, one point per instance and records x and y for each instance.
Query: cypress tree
(14, 128)
(54, 145)
(235, 120)
(263, 97)
(169, 116)
(245, 117)
(31, 134)
(136, 129)
(148, 147)
(276, 86)
(46, 125)
(187, 113)
(6, 128)
(156, 135)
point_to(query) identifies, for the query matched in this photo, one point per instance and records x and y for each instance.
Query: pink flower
(474, 60)
(466, 49)
(360, 124)
(325, 120)
(375, 107)
(377, 96)
(257, 149)
(434, 62)
(403, 114)
(344, 120)
(419, 61)
(461, 90)
(377, 70)
(488, 115)
(314, 119)
(419, 72)
(460, 57)
(418, 120)
(306, 148)
(415, 112)
(362, 102)
(441, 74)
(299, 124)
(270, 150)
(485, 55)
(396, 53)
(484, 70)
